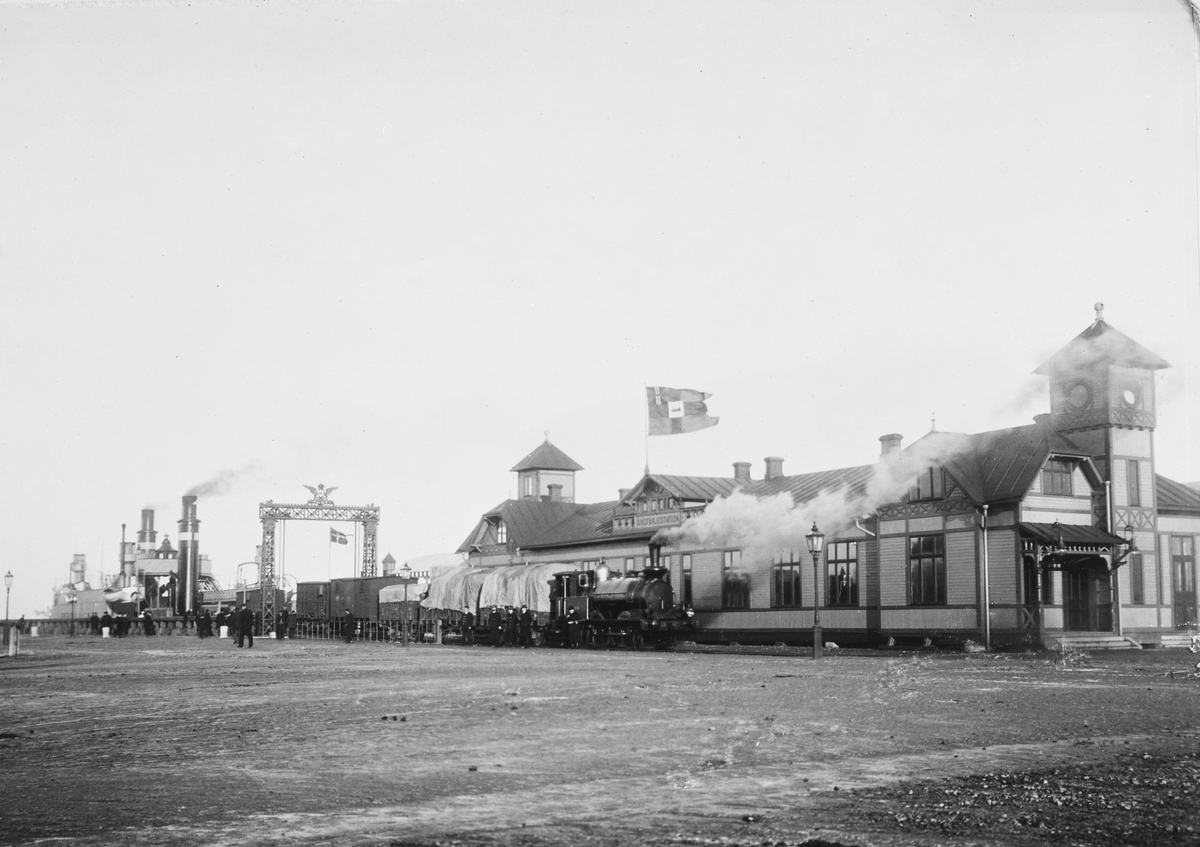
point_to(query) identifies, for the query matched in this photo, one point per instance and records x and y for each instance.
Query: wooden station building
(1056, 531)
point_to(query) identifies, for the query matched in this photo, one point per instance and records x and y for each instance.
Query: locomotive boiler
(596, 607)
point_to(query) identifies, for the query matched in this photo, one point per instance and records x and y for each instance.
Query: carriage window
(685, 579)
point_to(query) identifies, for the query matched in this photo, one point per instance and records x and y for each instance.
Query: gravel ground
(177, 741)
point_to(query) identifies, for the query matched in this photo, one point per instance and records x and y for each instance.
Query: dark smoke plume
(222, 481)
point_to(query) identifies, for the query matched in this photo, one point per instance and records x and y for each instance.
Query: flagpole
(329, 559)
(646, 424)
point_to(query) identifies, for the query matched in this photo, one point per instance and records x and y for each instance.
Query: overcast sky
(388, 246)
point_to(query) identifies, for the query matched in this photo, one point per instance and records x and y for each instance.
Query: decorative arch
(319, 508)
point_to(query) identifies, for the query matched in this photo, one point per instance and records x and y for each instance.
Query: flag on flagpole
(336, 537)
(676, 410)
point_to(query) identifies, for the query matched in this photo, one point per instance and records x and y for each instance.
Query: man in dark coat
(232, 623)
(281, 625)
(348, 627)
(510, 626)
(525, 627)
(107, 621)
(574, 628)
(496, 626)
(245, 626)
(94, 620)
(147, 623)
(204, 625)
(468, 626)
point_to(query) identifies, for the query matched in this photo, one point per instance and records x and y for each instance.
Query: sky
(390, 247)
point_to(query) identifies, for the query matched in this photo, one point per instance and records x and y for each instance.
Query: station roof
(547, 457)
(1175, 496)
(1099, 343)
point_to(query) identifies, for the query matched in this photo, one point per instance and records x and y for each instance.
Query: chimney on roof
(555, 490)
(741, 471)
(622, 493)
(774, 467)
(890, 443)
(1042, 419)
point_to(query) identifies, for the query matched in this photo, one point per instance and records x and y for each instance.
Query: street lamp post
(8, 578)
(71, 600)
(816, 543)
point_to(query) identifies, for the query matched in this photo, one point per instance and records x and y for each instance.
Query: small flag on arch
(336, 537)
(676, 410)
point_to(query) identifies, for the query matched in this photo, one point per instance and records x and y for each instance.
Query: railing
(425, 631)
(384, 630)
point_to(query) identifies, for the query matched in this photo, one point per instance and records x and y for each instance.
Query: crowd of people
(509, 627)
(240, 623)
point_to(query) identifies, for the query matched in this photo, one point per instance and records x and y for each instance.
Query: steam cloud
(222, 481)
(778, 522)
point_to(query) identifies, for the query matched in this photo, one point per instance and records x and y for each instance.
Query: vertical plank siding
(893, 567)
(960, 569)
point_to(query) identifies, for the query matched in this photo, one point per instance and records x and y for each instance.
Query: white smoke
(778, 522)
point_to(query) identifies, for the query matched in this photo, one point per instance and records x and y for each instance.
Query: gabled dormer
(546, 473)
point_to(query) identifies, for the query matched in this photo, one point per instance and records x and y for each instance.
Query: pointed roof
(687, 487)
(1101, 343)
(547, 457)
(389, 559)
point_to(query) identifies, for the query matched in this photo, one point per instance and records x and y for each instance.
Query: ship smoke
(222, 481)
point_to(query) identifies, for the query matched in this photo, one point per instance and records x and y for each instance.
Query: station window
(1137, 590)
(1056, 477)
(841, 562)
(786, 571)
(501, 533)
(735, 583)
(930, 485)
(1134, 482)
(927, 570)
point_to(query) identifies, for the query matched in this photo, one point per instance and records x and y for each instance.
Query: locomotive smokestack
(146, 535)
(187, 578)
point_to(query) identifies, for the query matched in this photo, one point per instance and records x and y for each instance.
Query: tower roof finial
(1099, 307)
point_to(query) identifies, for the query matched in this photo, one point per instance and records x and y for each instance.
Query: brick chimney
(890, 443)
(555, 490)
(774, 467)
(741, 471)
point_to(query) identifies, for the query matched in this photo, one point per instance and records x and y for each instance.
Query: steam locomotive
(596, 608)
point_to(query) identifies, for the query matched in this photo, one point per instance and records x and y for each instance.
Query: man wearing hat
(525, 624)
(348, 627)
(245, 626)
(468, 626)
